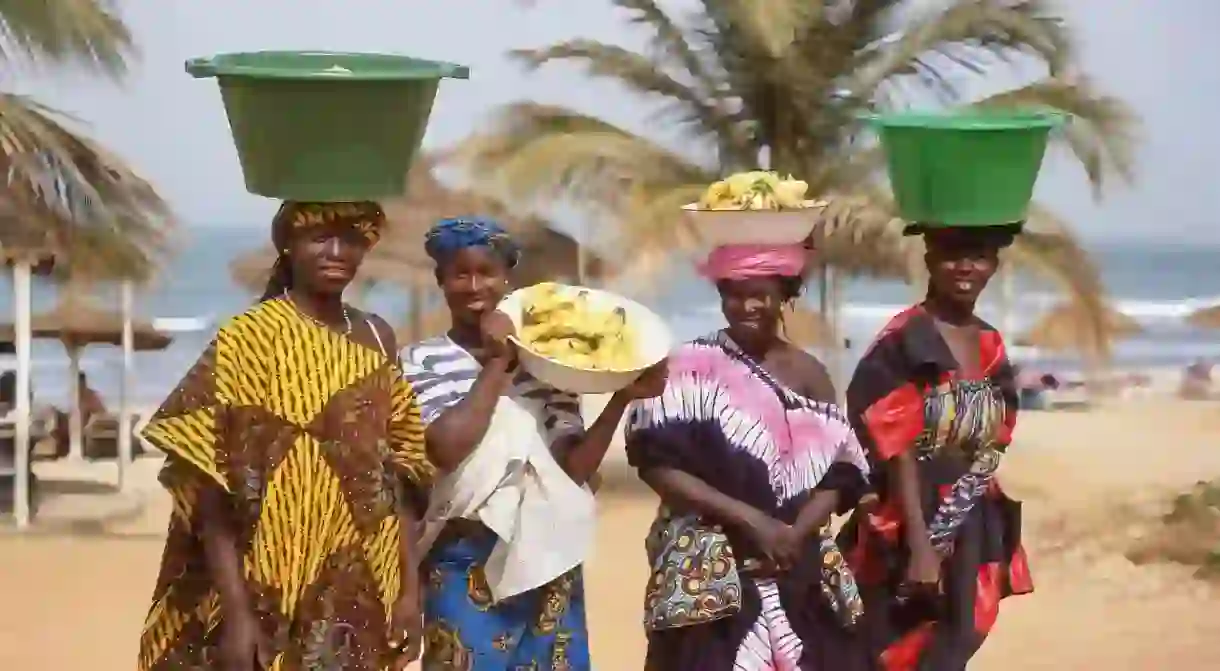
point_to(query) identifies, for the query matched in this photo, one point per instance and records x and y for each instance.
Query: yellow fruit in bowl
(755, 190)
(561, 325)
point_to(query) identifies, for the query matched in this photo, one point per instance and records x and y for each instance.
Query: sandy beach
(1090, 481)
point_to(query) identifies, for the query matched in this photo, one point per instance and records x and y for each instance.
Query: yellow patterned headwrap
(366, 217)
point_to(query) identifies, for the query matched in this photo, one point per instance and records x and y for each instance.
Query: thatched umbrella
(77, 321)
(805, 328)
(28, 250)
(548, 254)
(1067, 328)
(1208, 318)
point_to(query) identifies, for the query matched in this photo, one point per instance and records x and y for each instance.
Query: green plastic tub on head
(319, 126)
(964, 169)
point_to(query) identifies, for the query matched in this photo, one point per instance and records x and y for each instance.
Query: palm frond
(1047, 250)
(638, 73)
(89, 33)
(86, 198)
(672, 45)
(969, 35)
(774, 25)
(1102, 131)
(546, 152)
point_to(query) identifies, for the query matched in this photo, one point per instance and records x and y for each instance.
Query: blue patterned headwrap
(449, 236)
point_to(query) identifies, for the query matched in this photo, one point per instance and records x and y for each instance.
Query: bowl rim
(808, 205)
(410, 68)
(967, 121)
(617, 297)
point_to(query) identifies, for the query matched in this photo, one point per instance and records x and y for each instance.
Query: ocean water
(1156, 284)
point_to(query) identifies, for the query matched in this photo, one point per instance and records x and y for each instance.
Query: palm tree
(62, 187)
(788, 79)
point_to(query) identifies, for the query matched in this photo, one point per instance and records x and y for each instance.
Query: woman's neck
(950, 312)
(466, 335)
(754, 347)
(326, 308)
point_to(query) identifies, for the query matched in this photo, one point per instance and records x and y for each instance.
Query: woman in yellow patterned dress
(295, 459)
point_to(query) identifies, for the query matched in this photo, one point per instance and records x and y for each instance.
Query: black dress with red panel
(909, 394)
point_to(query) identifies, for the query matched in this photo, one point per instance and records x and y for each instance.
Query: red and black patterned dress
(909, 393)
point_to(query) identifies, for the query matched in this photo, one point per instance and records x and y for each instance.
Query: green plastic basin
(321, 126)
(964, 169)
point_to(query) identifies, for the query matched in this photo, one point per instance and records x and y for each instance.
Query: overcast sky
(1165, 62)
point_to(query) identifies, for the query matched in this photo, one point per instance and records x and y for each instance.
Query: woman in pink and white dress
(747, 441)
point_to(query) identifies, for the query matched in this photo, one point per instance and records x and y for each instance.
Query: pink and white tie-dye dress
(725, 420)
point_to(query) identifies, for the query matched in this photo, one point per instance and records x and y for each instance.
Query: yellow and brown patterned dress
(312, 435)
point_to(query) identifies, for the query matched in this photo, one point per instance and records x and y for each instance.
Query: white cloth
(512, 484)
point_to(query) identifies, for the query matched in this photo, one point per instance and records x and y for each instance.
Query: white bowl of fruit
(756, 207)
(584, 341)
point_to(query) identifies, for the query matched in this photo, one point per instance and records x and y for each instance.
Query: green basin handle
(201, 68)
(453, 71)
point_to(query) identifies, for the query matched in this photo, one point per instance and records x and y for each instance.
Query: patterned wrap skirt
(541, 630)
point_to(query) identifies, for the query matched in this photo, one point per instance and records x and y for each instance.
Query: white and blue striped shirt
(441, 373)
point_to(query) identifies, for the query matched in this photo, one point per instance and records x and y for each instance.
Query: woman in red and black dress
(934, 403)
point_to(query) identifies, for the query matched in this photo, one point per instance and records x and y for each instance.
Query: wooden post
(125, 427)
(22, 299)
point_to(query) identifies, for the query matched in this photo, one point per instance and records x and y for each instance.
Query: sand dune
(1090, 482)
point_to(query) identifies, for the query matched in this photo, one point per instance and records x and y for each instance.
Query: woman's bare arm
(815, 514)
(221, 553)
(906, 470)
(685, 492)
(581, 456)
(816, 384)
(459, 429)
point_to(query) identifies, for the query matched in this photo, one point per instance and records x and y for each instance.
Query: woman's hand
(650, 384)
(781, 542)
(406, 630)
(923, 573)
(496, 328)
(243, 646)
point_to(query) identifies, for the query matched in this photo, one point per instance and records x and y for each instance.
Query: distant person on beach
(90, 404)
(510, 521)
(750, 455)
(1196, 380)
(934, 402)
(8, 378)
(295, 457)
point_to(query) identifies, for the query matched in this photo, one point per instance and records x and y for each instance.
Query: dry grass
(1188, 534)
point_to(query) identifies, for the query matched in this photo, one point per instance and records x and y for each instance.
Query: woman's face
(752, 308)
(960, 265)
(325, 258)
(473, 280)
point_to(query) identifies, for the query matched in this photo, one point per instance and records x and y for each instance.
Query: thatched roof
(78, 321)
(1066, 328)
(805, 328)
(1208, 318)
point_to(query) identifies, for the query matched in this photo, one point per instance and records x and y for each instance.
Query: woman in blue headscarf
(482, 612)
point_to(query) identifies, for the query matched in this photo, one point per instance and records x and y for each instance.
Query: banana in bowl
(585, 341)
(565, 327)
(755, 207)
